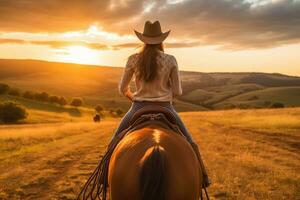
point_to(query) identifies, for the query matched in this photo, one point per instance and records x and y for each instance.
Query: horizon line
(111, 66)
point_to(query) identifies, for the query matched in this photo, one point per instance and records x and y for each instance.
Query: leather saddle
(153, 109)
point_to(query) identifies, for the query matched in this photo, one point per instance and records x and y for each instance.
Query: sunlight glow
(97, 33)
(81, 55)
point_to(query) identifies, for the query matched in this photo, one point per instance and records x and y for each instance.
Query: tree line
(12, 112)
(40, 96)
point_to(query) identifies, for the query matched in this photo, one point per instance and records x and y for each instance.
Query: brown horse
(154, 163)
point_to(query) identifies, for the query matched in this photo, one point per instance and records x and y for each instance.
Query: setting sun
(81, 55)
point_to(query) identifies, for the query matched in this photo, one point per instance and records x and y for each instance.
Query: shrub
(28, 95)
(42, 96)
(12, 112)
(277, 105)
(53, 99)
(3, 88)
(62, 101)
(76, 102)
(14, 92)
(99, 108)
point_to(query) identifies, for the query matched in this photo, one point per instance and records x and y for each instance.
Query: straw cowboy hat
(152, 33)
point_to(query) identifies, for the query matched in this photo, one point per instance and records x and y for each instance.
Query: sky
(206, 35)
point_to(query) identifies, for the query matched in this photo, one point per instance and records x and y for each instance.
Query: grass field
(250, 154)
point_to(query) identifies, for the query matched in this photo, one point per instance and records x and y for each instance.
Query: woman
(157, 81)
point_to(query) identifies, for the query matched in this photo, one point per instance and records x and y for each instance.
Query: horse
(154, 163)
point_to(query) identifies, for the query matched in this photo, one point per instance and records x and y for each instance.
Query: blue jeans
(136, 105)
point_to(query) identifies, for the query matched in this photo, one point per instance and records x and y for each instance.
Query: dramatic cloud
(95, 46)
(56, 44)
(233, 24)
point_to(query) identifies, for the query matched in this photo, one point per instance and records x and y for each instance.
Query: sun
(81, 55)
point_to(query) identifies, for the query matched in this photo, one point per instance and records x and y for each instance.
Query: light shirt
(164, 87)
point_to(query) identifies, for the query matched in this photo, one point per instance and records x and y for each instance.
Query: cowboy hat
(152, 33)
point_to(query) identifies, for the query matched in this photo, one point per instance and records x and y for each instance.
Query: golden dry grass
(250, 154)
(49, 161)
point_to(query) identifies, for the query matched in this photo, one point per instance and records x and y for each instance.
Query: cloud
(58, 44)
(236, 24)
(62, 44)
(61, 16)
(12, 41)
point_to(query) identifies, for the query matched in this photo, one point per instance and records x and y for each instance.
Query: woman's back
(163, 87)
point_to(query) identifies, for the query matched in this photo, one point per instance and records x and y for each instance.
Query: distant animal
(97, 118)
(154, 163)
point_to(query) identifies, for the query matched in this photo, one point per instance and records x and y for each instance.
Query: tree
(99, 108)
(14, 92)
(3, 88)
(53, 99)
(62, 101)
(42, 96)
(12, 112)
(76, 102)
(28, 95)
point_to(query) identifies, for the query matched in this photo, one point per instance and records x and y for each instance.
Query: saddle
(150, 115)
(97, 184)
(153, 109)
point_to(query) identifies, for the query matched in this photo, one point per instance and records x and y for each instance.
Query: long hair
(147, 65)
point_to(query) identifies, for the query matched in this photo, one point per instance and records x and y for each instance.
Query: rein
(206, 194)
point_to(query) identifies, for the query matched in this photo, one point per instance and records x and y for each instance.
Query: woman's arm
(175, 79)
(124, 88)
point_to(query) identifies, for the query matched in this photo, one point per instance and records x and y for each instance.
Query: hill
(261, 98)
(99, 84)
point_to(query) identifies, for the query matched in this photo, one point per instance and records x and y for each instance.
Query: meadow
(250, 154)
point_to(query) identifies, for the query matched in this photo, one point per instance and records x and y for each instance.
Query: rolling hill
(202, 91)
